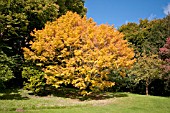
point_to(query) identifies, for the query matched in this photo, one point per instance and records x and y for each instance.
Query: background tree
(71, 5)
(147, 36)
(6, 65)
(17, 19)
(74, 50)
(164, 54)
(147, 68)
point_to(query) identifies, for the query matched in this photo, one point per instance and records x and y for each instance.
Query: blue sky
(118, 12)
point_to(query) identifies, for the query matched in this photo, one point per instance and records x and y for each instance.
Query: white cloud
(151, 17)
(167, 9)
(126, 22)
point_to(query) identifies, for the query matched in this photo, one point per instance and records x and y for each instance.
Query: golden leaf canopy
(76, 51)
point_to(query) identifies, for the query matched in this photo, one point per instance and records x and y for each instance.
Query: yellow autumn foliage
(76, 51)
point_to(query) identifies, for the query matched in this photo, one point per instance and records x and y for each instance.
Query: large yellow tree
(74, 50)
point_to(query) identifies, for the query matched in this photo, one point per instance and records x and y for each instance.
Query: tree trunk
(147, 85)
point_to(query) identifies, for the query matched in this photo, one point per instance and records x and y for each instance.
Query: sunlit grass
(105, 103)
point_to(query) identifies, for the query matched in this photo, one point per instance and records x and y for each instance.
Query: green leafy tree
(6, 65)
(71, 5)
(17, 19)
(147, 36)
(147, 68)
(36, 81)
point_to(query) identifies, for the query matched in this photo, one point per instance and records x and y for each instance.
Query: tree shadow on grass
(102, 96)
(74, 94)
(12, 94)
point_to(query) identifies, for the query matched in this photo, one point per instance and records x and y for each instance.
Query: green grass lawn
(105, 103)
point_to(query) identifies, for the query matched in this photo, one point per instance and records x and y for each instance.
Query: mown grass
(102, 103)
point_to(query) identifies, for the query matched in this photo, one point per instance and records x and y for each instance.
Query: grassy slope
(129, 103)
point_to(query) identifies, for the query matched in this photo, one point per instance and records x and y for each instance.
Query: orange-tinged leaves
(77, 51)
